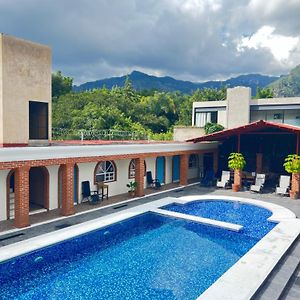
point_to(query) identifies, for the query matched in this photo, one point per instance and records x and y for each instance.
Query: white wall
(222, 118)
(150, 166)
(168, 168)
(86, 172)
(53, 186)
(195, 172)
(3, 208)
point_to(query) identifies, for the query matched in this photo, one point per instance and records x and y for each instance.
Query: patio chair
(209, 178)
(225, 178)
(87, 195)
(284, 185)
(154, 183)
(259, 183)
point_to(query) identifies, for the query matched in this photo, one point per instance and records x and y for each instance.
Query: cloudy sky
(194, 40)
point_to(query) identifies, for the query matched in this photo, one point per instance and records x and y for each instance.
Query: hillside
(142, 81)
(287, 85)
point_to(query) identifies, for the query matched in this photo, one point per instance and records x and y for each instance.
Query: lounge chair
(259, 183)
(209, 178)
(284, 185)
(225, 178)
(154, 183)
(87, 195)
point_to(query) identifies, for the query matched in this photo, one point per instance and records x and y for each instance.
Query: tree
(263, 93)
(212, 127)
(61, 85)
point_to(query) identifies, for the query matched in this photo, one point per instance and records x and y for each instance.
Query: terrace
(282, 281)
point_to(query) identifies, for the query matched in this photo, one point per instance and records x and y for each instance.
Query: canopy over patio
(264, 145)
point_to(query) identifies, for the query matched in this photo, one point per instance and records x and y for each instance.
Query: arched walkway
(38, 188)
(10, 195)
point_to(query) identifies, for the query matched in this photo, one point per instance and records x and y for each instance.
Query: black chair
(88, 195)
(154, 183)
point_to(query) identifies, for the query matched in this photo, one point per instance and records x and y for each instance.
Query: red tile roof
(259, 127)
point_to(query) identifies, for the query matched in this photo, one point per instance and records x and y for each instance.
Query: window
(131, 170)
(202, 118)
(193, 161)
(38, 120)
(105, 170)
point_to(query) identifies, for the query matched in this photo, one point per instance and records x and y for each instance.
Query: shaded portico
(264, 145)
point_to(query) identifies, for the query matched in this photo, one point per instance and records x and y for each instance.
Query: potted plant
(132, 185)
(236, 162)
(292, 165)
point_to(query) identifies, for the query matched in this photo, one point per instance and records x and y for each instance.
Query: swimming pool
(253, 218)
(143, 255)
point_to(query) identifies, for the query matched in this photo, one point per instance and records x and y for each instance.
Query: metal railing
(109, 134)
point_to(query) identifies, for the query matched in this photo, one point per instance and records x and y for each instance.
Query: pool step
(278, 282)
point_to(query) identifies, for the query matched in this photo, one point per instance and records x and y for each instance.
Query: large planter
(237, 180)
(295, 187)
(294, 195)
(235, 187)
(131, 193)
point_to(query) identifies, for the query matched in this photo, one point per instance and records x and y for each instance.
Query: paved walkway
(84, 214)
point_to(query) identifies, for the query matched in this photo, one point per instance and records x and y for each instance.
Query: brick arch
(10, 176)
(130, 175)
(39, 186)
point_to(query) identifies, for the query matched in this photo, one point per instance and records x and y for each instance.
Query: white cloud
(279, 45)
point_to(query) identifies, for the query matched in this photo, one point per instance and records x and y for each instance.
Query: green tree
(212, 127)
(263, 93)
(61, 85)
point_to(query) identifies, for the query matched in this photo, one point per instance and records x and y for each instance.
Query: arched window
(106, 170)
(193, 161)
(131, 170)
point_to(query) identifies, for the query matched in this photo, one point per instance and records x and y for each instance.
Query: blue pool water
(146, 257)
(253, 218)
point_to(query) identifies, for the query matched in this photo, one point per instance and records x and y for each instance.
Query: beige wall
(238, 106)
(222, 118)
(181, 134)
(26, 76)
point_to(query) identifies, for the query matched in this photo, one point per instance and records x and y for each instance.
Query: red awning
(259, 127)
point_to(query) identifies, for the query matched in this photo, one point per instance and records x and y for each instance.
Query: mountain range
(287, 85)
(142, 81)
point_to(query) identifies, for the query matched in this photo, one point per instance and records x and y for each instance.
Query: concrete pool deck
(293, 205)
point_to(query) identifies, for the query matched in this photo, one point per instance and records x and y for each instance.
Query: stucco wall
(26, 76)
(86, 172)
(222, 118)
(195, 172)
(181, 134)
(53, 186)
(238, 106)
(3, 207)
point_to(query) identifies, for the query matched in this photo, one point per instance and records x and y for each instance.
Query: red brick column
(184, 161)
(67, 190)
(22, 197)
(259, 157)
(139, 177)
(295, 186)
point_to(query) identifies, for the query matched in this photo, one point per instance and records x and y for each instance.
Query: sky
(195, 40)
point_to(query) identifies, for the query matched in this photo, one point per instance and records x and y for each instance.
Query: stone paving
(85, 215)
(293, 205)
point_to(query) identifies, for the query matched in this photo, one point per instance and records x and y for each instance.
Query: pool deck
(89, 213)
